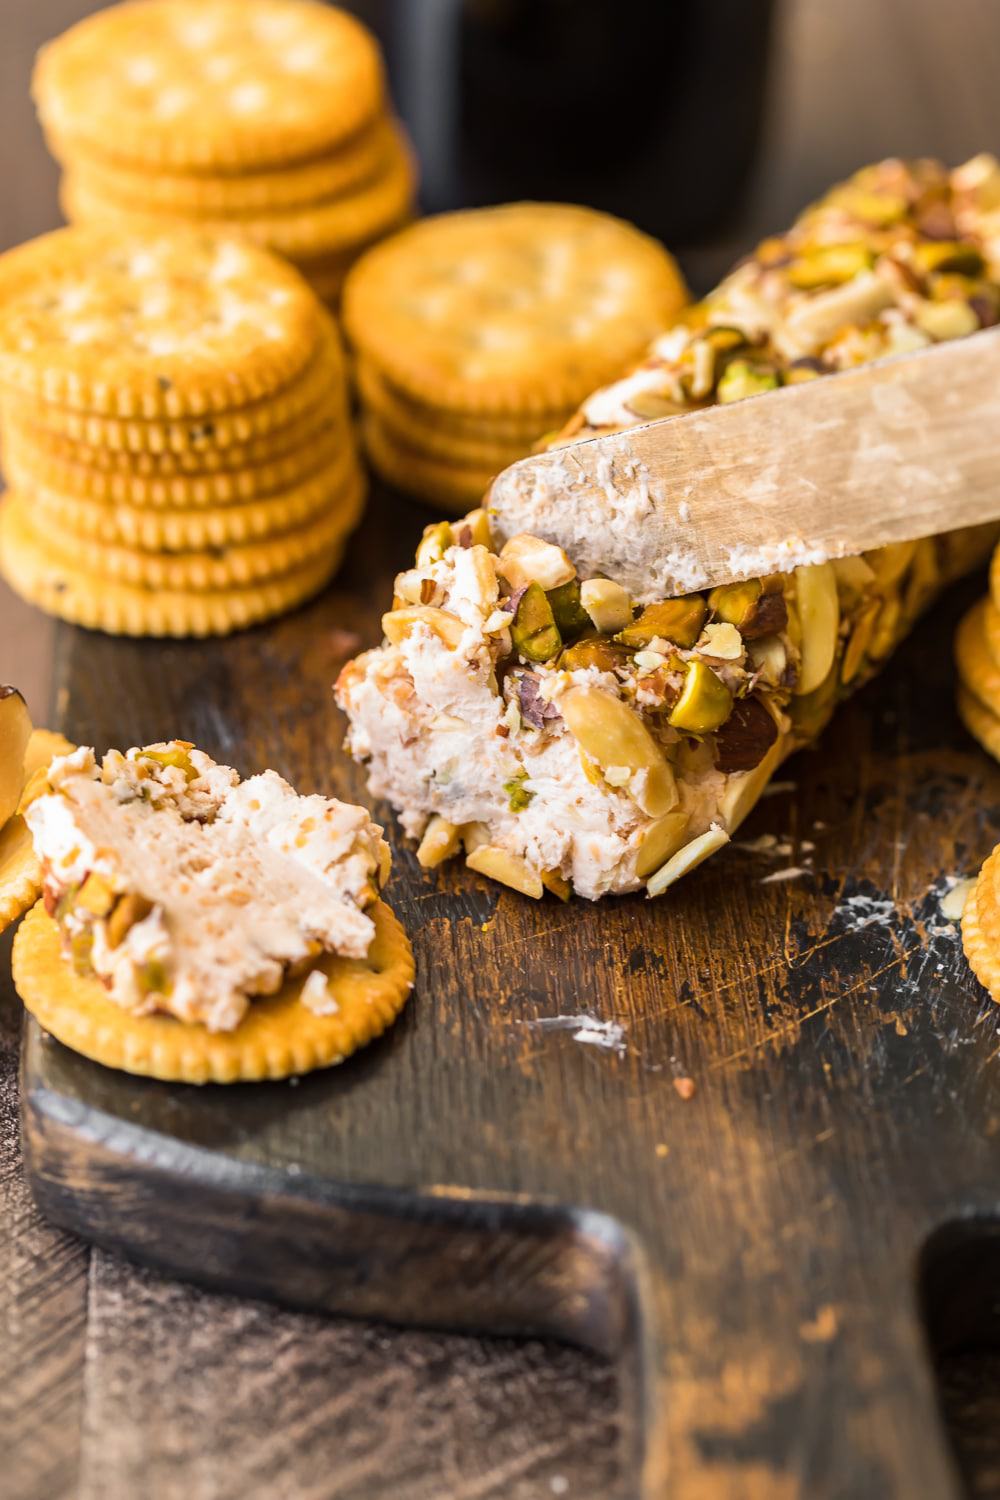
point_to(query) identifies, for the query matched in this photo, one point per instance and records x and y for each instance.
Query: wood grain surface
(119, 1382)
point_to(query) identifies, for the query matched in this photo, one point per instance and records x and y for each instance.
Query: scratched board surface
(730, 1137)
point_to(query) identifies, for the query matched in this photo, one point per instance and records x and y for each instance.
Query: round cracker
(279, 1036)
(991, 631)
(323, 381)
(981, 722)
(451, 487)
(20, 867)
(528, 306)
(977, 670)
(440, 442)
(172, 323)
(189, 85)
(174, 530)
(409, 410)
(980, 953)
(84, 598)
(188, 476)
(216, 569)
(987, 891)
(30, 466)
(197, 195)
(330, 226)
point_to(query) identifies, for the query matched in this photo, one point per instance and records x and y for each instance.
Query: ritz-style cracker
(202, 928)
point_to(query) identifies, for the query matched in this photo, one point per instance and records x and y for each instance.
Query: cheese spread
(187, 890)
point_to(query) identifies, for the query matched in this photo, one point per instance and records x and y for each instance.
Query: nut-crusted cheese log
(570, 733)
(188, 891)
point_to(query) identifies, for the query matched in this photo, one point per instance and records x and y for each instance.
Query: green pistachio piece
(947, 255)
(153, 977)
(742, 379)
(732, 602)
(534, 631)
(567, 611)
(830, 265)
(518, 796)
(175, 757)
(724, 339)
(80, 948)
(705, 701)
(434, 544)
(675, 620)
(596, 651)
(878, 209)
(66, 903)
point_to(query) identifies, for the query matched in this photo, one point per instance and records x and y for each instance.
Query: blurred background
(710, 123)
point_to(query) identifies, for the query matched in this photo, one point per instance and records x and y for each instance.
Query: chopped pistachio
(434, 544)
(596, 651)
(945, 255)
(878, 209)
(533, 630)
(176, 756)
(676, 620)
(567, 609)
(518, 795)
(81, 947)
(153, 977)
(743, 379)
(705, 701)
(830, 265)
(732, 602)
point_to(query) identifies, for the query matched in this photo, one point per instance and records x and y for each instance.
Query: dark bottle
(647, 108)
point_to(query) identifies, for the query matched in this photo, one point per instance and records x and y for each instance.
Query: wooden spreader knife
(900, 448)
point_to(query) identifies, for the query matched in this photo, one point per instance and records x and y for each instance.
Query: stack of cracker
(267, 118)
(477, 332)
(977, 656)
(176, 433)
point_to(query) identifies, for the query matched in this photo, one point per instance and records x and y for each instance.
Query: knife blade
(893, 450)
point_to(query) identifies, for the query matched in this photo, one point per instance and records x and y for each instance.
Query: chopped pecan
(766, 616)
(745, 737)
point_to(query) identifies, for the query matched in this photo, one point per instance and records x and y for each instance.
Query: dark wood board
(752, 1255)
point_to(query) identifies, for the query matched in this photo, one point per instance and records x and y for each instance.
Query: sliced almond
(398, 623)
(819, 618)
(612, 734)
(499, 864)
(659, 841)
(686, 859)
(441, 840)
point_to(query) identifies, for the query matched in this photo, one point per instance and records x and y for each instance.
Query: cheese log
(571, 734)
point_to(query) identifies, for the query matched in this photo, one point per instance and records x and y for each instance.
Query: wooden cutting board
(760, 1200)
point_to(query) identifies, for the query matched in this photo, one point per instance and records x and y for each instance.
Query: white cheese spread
(189, 891)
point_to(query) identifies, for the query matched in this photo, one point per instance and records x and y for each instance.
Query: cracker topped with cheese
(206, 916)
